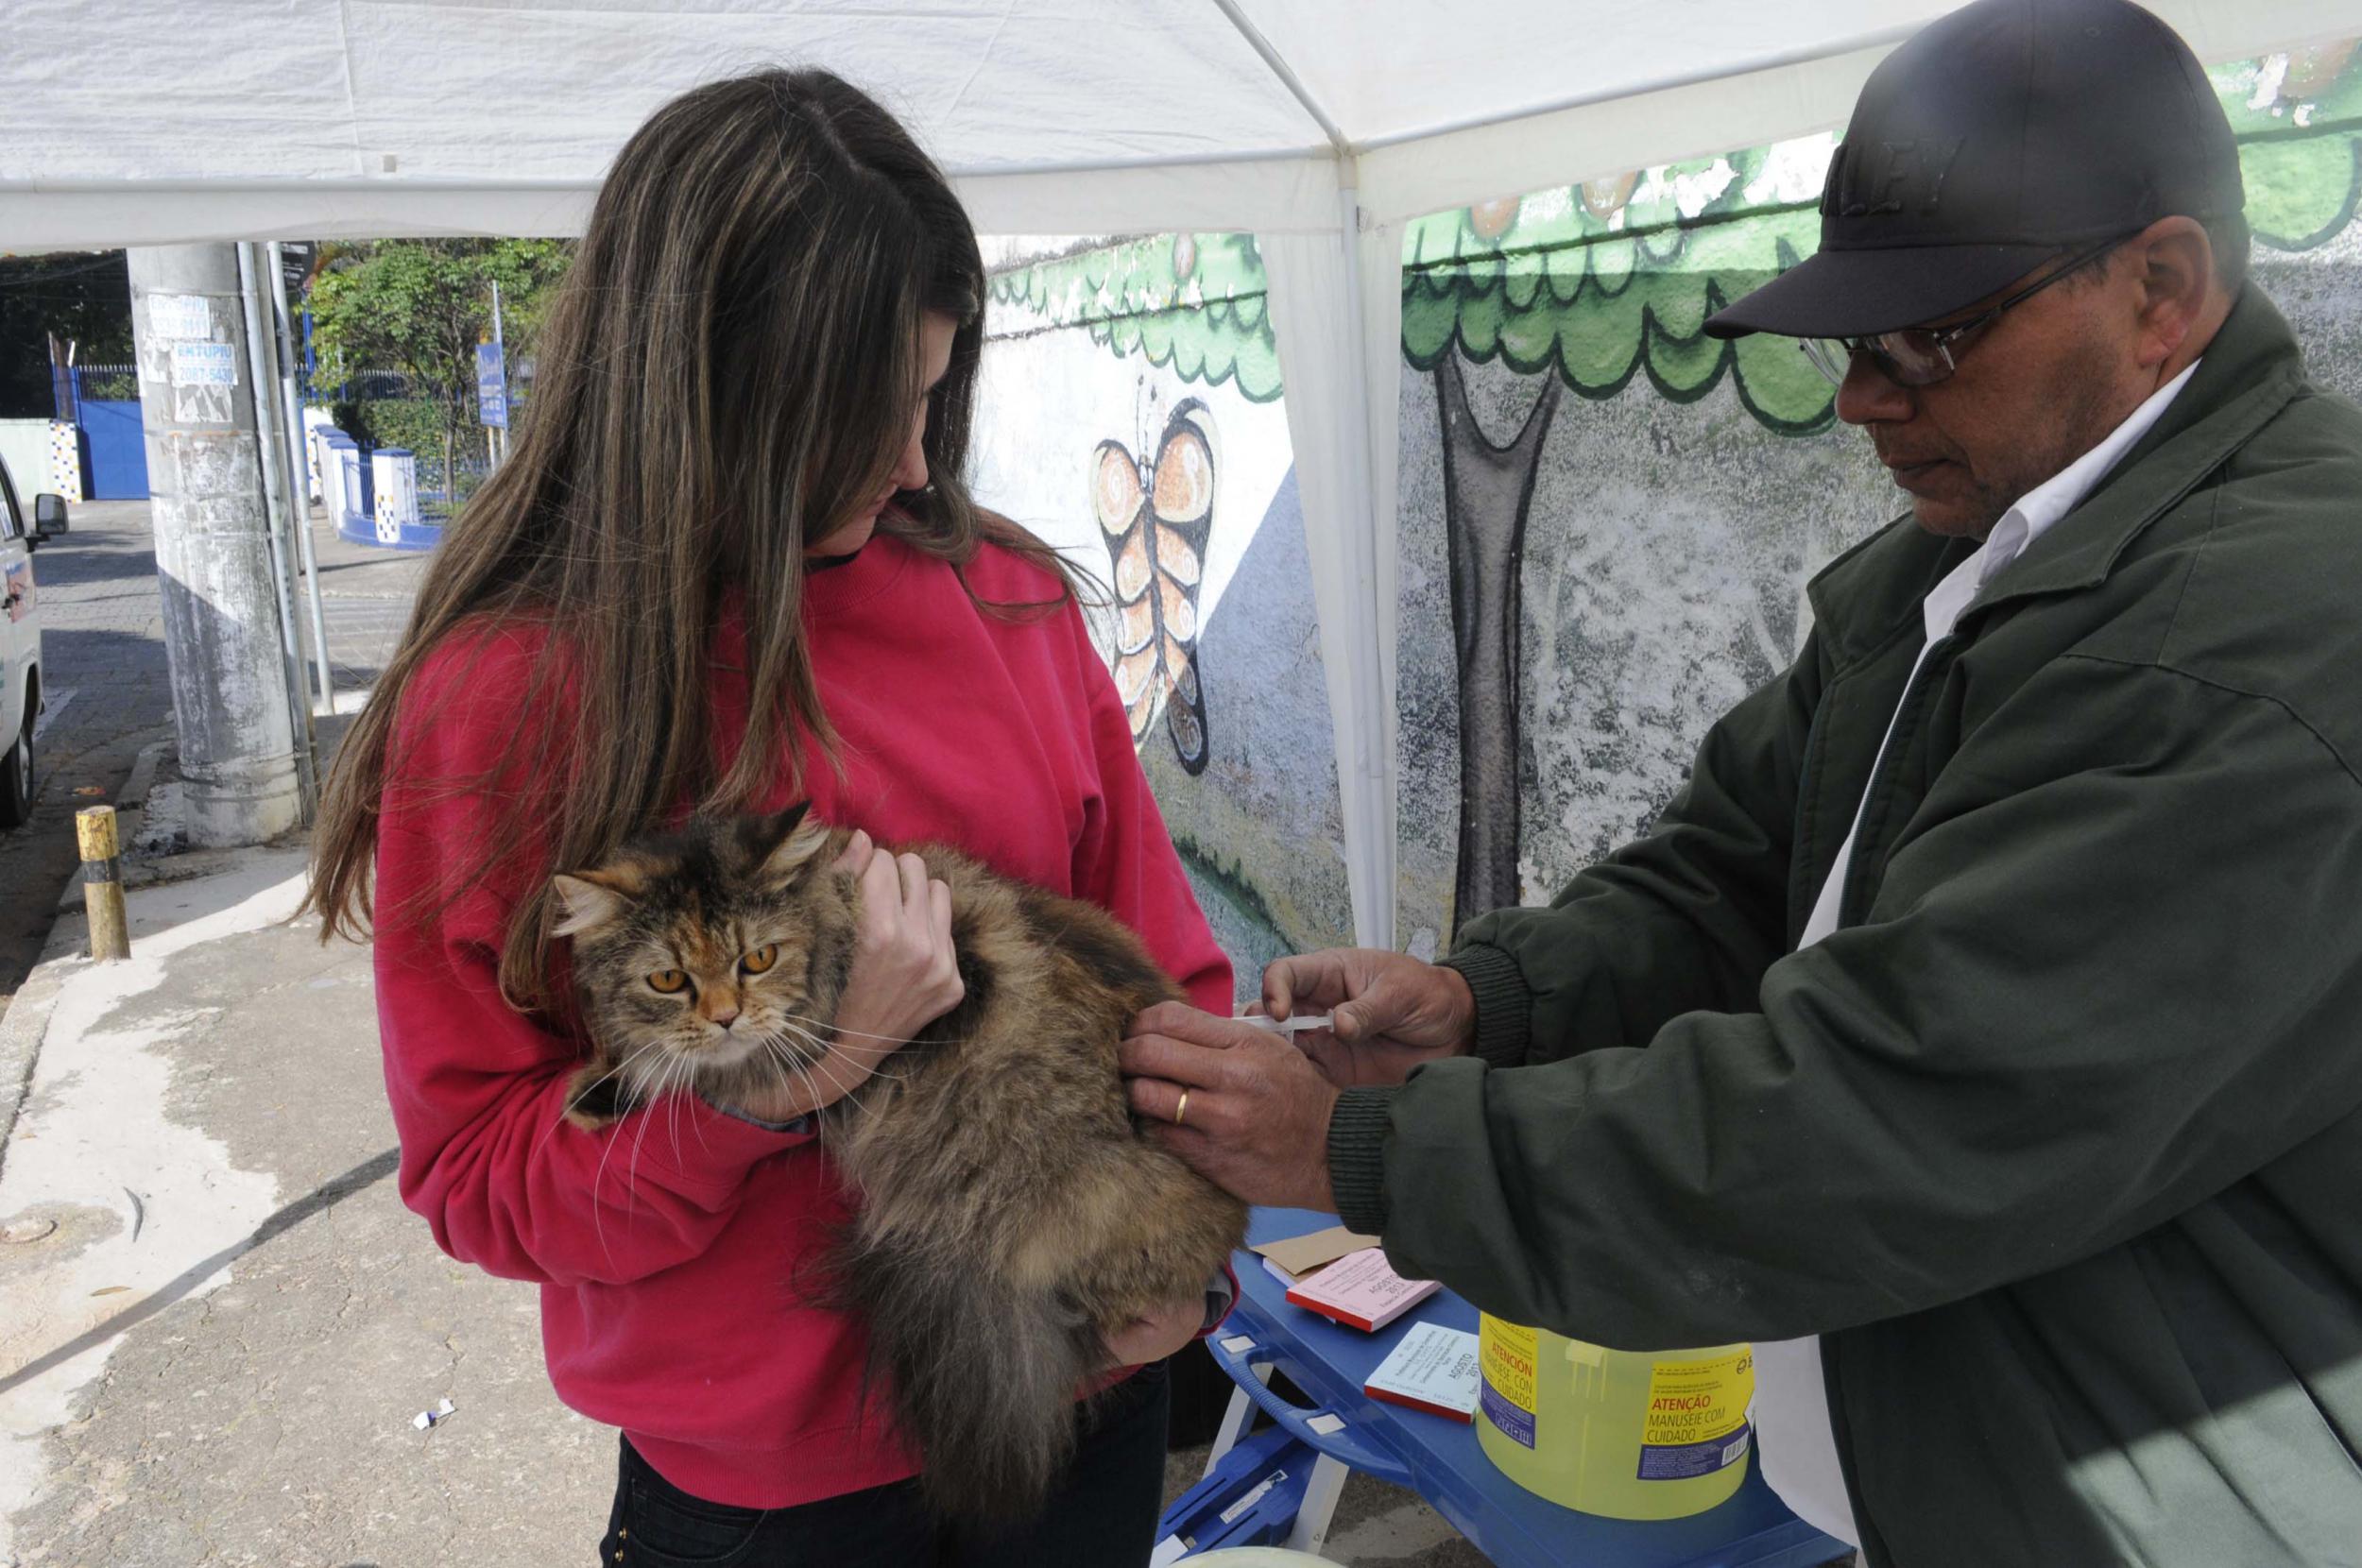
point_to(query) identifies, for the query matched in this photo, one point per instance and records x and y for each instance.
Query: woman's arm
(478, 1089)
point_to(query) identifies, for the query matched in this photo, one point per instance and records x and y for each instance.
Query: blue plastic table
(1436, 1458)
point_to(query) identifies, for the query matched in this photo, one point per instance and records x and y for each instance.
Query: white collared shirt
(1798, 1450)
(2019, 528)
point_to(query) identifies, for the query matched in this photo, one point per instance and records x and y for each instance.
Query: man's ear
(2177, 276)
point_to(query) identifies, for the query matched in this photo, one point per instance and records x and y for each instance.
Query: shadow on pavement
(368, 1173)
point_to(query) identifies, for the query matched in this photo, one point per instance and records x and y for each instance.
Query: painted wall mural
(1587, 581)
(1156, 513)
(1130, 415)
(1190, 304)
(1610, 572)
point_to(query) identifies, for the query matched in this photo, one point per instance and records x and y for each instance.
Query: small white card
(1433, 1369)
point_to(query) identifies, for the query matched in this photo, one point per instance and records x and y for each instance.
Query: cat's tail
(982, 1374)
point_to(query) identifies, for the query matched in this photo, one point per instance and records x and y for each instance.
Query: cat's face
(715, 951)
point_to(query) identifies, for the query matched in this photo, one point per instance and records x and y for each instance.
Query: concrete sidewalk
(215, 1356)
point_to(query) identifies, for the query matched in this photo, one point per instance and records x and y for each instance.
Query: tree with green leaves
(82, 298)
(422, 306)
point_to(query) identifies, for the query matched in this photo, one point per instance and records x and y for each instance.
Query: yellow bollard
(102, 882)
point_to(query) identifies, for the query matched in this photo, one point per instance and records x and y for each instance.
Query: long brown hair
(724, 378)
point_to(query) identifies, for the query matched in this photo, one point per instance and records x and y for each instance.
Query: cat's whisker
(805, 1069)
(844, 1091)
(631, 1069)
(825, 1065)
(845, 1094)
(862, 1034)
(655, 1093)
(678, 1072)
(584, 1093)
(696, 1124)
(797, 1073)
(826, 1050)
(672, 1117)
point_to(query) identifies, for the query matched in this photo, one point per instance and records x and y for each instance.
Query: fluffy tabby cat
(1011, 1215)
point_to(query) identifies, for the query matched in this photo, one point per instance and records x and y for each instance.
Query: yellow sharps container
(1630, 1435)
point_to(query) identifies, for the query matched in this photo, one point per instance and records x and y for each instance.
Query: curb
(25, 1021)
(22, 1027)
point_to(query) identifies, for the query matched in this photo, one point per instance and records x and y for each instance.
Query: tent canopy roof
(135, 122)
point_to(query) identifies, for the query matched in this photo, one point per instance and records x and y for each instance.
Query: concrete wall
(1677, 513)
(1633, 508)
(24, 446)
(1254, 809)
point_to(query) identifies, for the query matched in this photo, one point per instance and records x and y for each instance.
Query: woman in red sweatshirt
(731, 564)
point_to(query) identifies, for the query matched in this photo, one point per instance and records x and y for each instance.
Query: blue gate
(118, 450)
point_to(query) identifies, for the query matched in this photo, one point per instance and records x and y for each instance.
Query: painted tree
(1588, 287)
(1592, 287)
(1595, 285)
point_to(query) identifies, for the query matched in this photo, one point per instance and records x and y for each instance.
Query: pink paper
(1362, 1292)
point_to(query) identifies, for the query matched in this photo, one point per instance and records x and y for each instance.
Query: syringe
(1291, 1026)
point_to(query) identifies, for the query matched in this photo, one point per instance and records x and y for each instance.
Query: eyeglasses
(1922, 356)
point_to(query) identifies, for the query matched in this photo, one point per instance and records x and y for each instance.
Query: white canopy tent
(1320, 126)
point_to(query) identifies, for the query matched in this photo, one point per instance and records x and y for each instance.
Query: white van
(19, 641)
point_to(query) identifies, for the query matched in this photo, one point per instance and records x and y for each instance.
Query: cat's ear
(585, 904)
(785, 842)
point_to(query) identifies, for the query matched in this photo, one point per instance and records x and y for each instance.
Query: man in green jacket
(1989, 1003)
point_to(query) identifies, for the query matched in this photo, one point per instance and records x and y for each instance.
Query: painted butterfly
(1156, 516)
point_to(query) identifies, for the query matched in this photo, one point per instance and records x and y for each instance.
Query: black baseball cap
(1997, 137)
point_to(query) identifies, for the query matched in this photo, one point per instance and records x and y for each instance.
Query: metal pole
(498, 342)
(281, 515)
(102, 882)
(327, 678)
(229, 677)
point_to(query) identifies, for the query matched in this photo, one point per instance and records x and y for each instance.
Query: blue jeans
(1101, 1515)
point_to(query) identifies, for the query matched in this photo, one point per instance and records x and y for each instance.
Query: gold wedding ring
(1181, 1110)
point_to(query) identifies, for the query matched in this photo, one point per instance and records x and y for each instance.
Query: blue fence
(104, 401)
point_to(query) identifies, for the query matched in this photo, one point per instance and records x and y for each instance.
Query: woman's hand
(1158, 1335)
(905, 975)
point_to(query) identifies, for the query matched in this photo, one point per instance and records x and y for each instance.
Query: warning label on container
(1696, 1417)
(1507, 1363)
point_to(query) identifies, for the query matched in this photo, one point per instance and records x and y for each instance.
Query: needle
(1291, 1025)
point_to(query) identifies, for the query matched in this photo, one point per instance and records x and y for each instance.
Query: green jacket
(2057, 1138)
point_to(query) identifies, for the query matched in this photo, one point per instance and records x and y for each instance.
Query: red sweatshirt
(669, 1248)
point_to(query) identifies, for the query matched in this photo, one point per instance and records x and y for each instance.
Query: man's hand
(1257, 1120)
(1393, 1011)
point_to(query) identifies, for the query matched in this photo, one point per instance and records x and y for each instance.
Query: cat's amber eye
(671, 981)
(760, 959)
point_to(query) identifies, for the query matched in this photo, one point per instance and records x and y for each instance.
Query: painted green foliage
(2299, 119)
(1192, 302)
(1615, 279)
